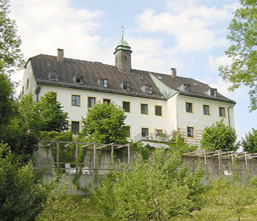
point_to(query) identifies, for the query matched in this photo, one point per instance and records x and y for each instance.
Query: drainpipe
(229, 115)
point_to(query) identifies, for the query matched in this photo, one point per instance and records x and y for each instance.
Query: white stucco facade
(188, 112)
(134, 118)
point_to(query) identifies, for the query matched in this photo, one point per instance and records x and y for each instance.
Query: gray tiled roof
(93, 71)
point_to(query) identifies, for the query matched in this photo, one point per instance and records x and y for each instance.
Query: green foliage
(66, 154)
(151, 189)
(219, 137)
(51, 113)
(21, 198)
(45, 115)
(180, 145)
(105, 124)
(243, 35)
(144, 151)
(54, 136)
(10, 53)
(60, 204)
(250, 142)
(232, 195)
(23, 131)
(6, 100)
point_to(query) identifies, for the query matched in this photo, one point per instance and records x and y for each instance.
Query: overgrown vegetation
(105, 123)
(219, 137)
(21, 196)
(249, 143)
(151, 189)
(23, 131)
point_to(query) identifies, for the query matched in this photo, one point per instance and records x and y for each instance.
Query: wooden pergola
(93, 146)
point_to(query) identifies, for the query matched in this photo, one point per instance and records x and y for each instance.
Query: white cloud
(150, 54)
(195, 27)
(45, 25)
(216, 62)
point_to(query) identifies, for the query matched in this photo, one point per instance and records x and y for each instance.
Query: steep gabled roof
(91, 72)
(197, 88)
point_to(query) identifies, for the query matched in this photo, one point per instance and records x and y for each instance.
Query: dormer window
(53, 75)
(213, 92)
(103, 83)
(148, 89)
(187, 87)
(79, 80)
(125, 85)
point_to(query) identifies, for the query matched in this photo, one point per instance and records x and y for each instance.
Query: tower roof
(122, 45)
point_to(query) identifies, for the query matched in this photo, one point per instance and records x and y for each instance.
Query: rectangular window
(103, 83)
(126, 86)
(145, 132)
(126, 106)
(158, 110)
(222, 111)
(53, 75)
(190, 131)
(78, 80)
(187, 87)
(107, 101)
(27, 86)
(91, 101)
(144, 108)
(206, 109)
(158, 133)
(75, 126)
(128, 131)
(75, 100)
(213, 92)
(189, 107)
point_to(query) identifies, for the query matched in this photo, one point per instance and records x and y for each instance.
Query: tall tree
(105, 124)
(243, 35)
(23, 131)
(52, 115)
(10, 53)
(250, 141)
(6, 100)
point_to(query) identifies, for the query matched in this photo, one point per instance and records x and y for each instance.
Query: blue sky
(189, 35)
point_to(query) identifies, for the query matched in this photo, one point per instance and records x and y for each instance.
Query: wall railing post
(128, 153)
(94, 155)
(77, 154)
(57, 155)
(112, 154)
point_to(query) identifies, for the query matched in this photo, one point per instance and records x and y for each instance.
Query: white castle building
(153, 102)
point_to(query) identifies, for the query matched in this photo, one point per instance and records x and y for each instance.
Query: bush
(21, 198)
(151, 189)
(250, 142)
(219, 137)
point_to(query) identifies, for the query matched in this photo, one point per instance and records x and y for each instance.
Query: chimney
(173, 72)
(60, 55)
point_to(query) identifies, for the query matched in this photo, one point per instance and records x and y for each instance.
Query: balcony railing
(151, 137)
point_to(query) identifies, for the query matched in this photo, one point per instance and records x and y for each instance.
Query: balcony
(152, 137)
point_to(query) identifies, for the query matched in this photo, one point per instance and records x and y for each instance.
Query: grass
(90, 211)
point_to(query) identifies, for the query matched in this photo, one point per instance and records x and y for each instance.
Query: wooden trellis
(222, 154)
(93, 146)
